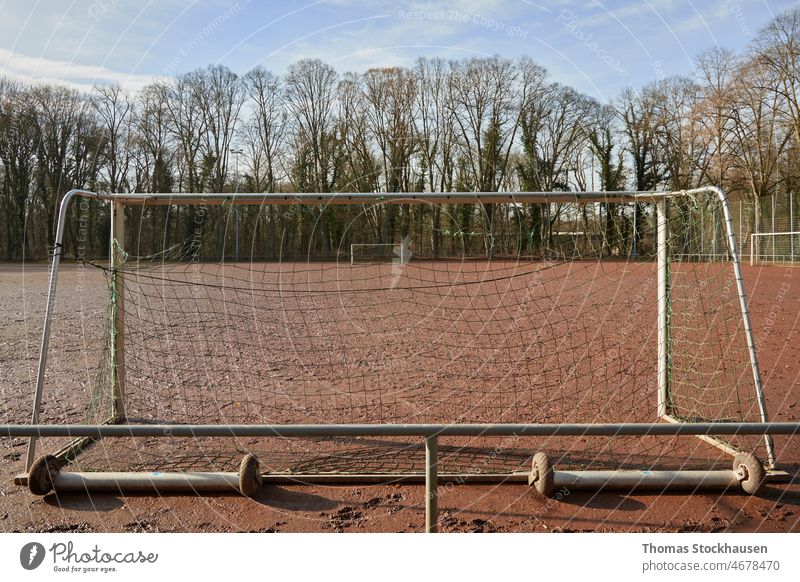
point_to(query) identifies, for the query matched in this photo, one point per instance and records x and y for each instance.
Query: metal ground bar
(421, 430)
(212, 482)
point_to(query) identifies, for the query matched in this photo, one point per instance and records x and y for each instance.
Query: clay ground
(775, 305)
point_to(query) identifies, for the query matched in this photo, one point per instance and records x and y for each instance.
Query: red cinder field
(445, 342)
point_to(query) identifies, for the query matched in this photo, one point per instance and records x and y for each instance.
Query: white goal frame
(761, 257)
(402, 258)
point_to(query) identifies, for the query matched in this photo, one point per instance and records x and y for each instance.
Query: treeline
(479, 124)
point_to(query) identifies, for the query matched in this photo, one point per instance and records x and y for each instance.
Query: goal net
(556, 309)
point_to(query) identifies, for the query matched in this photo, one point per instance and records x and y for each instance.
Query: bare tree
(552, 126)
(58, 111)
(361, 169)
(155, 155)
(188, 125)
(759, 132)
(637, 111)
(220, 101)
(716, 70)
(19, 143)
(264, 131)
(114, 112)
(263, 136)
(435, 131)
(389, 95)
(486, 111)
(680, 145)
(777, 49)
(310, 97)
(484, 98)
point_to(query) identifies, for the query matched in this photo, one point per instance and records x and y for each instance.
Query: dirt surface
(775, 306)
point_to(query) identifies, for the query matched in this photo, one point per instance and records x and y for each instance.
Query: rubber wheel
(42, 474)
(249, 476)
(542, 476)
(754, 474)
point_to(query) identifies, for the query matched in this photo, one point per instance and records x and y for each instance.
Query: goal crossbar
(337, 198)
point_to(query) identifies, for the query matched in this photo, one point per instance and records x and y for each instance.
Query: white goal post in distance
(776, 247)
(457, 349)
(378, 253)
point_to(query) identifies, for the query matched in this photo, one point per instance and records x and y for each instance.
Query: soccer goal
(774, 247)
(624, 357)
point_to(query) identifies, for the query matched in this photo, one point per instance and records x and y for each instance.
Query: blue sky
(597, 46)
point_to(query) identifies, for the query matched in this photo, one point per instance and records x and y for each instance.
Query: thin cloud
(41, 70)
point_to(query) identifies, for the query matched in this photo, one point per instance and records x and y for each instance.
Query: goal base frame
(76, 482)
(521, 477)
(633, 481)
